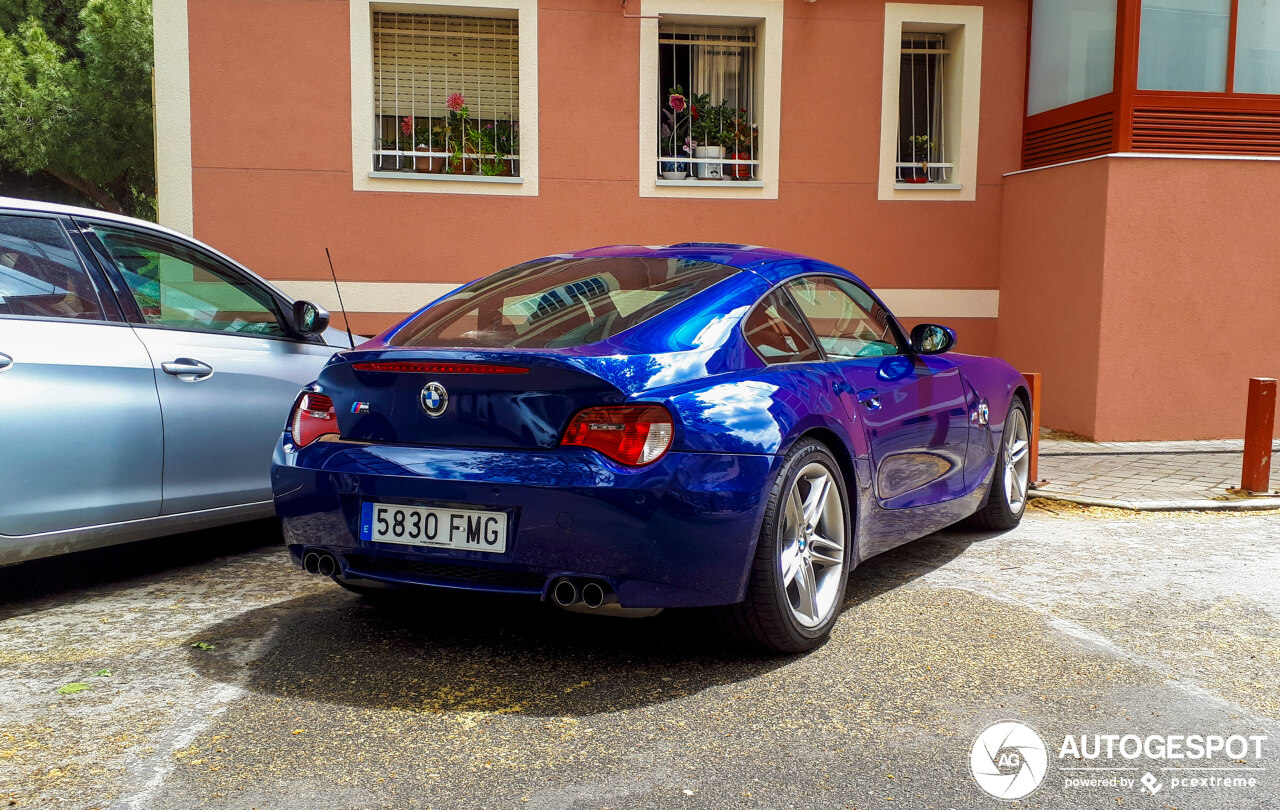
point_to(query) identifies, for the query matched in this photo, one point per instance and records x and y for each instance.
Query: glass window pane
(922, 104)
(777, 332)
(40, 274)
(560, 302)
(1258, 47)
(1073, 52)
(707, 101)
(846, 320)
(1184, 45)
(175, 287)
(446, 93)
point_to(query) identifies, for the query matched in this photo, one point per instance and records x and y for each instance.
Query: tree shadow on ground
(454, 651)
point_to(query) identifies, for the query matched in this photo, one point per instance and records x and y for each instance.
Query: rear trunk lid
(461, 398)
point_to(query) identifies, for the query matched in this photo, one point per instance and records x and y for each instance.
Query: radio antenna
(345, 321)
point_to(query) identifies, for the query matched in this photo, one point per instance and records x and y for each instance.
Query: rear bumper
(678, 533)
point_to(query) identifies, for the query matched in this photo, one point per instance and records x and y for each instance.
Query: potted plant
(506, 144)
(921, 145)
(676, 121)
(421, 139)
(457, 129)
(491, 160)
(741, 145)
(711, 128)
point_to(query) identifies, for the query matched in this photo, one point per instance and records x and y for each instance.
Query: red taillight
(631, 434)
(407, 366)
(313, 417)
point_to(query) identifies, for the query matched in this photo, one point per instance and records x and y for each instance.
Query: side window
(845, 318)
(176, 287)
(777, 332)
(40, 274)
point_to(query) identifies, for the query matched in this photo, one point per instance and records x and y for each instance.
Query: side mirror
(309, 318)
(929, 338)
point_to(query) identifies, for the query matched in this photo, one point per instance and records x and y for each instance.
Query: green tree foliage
(80, 111)
(59, 18)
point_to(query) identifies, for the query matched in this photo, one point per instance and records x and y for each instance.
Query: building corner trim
(171, 87)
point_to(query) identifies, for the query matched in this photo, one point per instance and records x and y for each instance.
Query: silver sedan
(144, 380)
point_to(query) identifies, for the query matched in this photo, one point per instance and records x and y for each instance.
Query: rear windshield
(555, 303)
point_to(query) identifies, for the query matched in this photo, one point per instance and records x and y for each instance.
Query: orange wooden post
(1259, 427)
(1033, 386)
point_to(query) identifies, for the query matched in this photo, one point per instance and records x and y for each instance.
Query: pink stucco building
(1080, 186)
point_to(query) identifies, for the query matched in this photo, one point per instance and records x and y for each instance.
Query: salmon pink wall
(1053, 245)
(271, 122)
(1145, 291)
(1191, 295)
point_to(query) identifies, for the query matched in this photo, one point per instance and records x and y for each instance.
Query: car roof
(743, 257)
(772, 264)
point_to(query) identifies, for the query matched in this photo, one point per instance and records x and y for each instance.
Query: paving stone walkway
(1150, 475)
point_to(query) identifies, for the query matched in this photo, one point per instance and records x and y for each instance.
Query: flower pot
(709, 171)
(672, 170)
(428, 165)
(741, 171)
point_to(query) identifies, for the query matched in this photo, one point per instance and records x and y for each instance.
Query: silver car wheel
(811, 551)
(1017, 461)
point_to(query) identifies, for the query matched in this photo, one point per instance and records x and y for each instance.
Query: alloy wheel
(1017, 461)
(811, 551)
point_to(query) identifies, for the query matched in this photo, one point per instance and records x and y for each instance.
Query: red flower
(406, 125)
(677, 102)
(694, 109)
(455, 102)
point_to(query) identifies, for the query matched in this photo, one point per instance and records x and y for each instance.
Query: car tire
(1007, 496)
(806, 529)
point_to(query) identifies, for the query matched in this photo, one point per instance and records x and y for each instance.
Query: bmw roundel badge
(434, 398)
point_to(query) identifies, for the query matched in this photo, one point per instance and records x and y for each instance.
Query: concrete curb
(1189, 505)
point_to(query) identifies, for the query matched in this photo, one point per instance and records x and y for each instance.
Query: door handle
(6, 362)
(187, 370)
(870, 397)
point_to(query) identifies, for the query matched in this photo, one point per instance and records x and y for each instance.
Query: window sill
(450, 178)
(712, 183)
(927, 186)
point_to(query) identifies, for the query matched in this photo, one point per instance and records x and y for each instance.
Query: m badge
(434, 399)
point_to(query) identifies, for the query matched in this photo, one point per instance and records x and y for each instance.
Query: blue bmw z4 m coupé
(627, 429)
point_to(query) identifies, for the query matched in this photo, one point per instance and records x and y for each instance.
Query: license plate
(466, 529)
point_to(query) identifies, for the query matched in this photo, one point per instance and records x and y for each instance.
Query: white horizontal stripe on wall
(368, 296)
(933, 303)
(407, 296)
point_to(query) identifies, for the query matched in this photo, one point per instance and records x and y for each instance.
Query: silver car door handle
(186, 369)
(870, 397)
(5, 362)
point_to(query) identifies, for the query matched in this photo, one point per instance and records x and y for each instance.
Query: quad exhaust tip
(595, 595)
(320, 562)
(565, 593)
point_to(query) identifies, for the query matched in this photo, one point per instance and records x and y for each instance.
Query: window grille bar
(714, 138)
(922, 132)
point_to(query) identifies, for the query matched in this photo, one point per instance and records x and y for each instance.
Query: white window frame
(963, 27)
(363, 131)
(766, 16)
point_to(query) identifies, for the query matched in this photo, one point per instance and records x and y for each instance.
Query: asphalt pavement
(215, 674)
